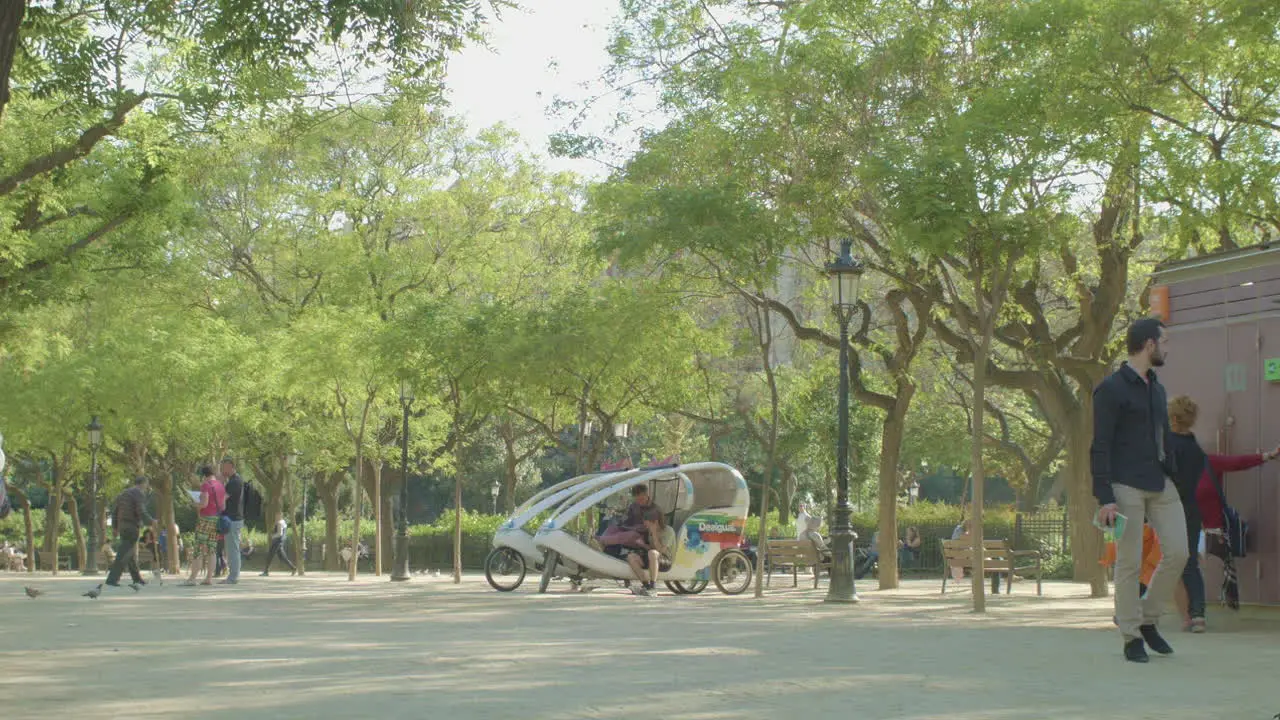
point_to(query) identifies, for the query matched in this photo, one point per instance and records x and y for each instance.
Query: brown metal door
(1266, 524)
(1242, 378)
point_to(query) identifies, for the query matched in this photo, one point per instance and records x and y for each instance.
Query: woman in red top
(1195, 476)
(213, 499)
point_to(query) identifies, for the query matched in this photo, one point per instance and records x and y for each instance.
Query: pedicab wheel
(731, 571)
(548, 570)
(689, 588)
(504, 568)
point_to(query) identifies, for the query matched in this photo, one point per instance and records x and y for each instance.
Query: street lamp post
(95, 441)
(494, 492)
(400, 573)
(300, 534)
(845, 274)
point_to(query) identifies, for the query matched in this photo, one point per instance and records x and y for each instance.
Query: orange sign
(1160, 301)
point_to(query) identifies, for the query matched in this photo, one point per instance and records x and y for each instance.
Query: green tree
(98, 101)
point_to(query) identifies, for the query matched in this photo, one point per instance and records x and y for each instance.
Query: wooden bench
(794, 553)
(999, 558)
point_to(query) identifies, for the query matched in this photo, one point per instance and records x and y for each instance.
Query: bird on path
(94, 593)
(136, 587)
(32, 592)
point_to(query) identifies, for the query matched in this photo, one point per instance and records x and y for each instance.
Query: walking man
(129, 514)
(234, 511)
(277, 548)
(1131, 478)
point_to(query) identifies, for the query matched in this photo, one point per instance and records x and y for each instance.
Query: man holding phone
(1131, 472)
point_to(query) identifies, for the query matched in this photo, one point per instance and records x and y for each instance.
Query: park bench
(999, 558)
(45, 561)
(781, 553)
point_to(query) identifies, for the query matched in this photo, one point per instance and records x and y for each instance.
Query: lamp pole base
(400, 569)
(841, 589)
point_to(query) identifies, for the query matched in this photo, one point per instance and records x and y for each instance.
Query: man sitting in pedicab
(638, 539)
(660, 542)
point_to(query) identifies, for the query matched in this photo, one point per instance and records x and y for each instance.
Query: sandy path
(322, 648)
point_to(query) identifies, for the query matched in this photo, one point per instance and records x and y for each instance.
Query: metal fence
(1047, 531)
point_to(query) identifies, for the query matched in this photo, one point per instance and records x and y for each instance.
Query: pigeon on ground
(136, 587)
(32, 592)
(94, 593)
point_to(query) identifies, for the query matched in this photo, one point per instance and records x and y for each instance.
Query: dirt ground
(321, 647)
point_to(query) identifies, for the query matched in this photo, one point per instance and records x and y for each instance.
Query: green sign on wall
(1271, 369)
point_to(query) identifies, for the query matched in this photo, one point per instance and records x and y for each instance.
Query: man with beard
(1131, 478)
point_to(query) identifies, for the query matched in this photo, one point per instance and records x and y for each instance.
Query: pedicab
(513, 550)
(704, 503)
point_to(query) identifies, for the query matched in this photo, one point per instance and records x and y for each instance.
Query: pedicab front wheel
(504, 568)
(548, 570)
(731, 571)
(688, 588)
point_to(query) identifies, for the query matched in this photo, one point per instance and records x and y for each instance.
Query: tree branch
(81, 147)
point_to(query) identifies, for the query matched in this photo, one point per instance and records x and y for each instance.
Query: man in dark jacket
(128, 516)
(235, 512)
(1131, 472)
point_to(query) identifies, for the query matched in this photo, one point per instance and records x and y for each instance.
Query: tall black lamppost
(400, 571)
(845, 274)
(95, 441)
(493, 491)
(300, 534)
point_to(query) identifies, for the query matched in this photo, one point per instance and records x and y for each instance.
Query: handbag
(224, 524)
(616, 535)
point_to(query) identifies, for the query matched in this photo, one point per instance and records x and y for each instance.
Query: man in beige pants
(1131, 478)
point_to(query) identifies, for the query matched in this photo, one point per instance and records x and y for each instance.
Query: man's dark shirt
(1130, 431)
(635, 515)
(235, 488)
(130, 512)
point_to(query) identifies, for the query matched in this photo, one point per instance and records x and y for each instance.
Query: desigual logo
(716, 528)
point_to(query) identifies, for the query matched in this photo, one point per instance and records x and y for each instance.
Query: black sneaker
(1157, 643)
(1135, 652)
(264, 573)
(649, 586)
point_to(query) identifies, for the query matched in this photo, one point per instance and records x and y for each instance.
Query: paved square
(321, 647)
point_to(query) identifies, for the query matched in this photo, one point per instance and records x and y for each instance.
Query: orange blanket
(1150, 554)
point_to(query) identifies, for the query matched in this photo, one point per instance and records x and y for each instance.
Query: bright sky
(549, 48)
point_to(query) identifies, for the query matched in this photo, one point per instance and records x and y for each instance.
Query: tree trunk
(53, 509)
(377, 517)
(30, 526)
(713, 443)
(890, 452)
(11, 12)
(788, 495)
(975, 459)
(511, 466)
(357, 504)
(328, 489)
(457, 529)
(169, 521)
(74, 511)
(388, 531)
(765, 337)
(1086, 540)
